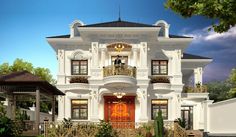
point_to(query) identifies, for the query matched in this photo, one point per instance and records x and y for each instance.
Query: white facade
(142, 45)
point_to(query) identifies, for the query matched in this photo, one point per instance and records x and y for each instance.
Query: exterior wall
(222, 117)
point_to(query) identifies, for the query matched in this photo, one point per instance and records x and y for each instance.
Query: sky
(25, 24)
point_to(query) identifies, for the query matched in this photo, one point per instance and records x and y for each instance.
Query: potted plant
(198, 85)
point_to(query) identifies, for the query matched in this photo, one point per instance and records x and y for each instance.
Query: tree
(218, 90)
(20, 65)
(221, 10)
(232, 80)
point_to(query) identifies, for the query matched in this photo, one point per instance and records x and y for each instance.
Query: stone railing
(179, 131)
(119, 70)
(197, 89)
(79, 79)
(159, 79)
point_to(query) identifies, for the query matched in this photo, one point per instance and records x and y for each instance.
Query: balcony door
(124, 59)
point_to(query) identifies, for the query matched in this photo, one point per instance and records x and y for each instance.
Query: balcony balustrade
(197, 89)
(114, 70)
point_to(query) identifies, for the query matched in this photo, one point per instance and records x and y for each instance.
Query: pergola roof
(24, 80)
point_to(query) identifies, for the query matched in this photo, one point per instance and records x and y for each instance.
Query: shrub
(182, 122)
(8, 128)
(159, 125)
(105, 130)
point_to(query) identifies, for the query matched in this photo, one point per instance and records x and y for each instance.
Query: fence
(90, 129)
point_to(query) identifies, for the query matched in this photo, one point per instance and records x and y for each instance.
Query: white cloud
(231, 33)
(205, 35)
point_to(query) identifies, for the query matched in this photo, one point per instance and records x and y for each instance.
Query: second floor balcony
(119, 75)
(197, 89)
(114, 70)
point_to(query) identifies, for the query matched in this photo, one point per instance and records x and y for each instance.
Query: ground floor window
(79, 109)
(159, 105)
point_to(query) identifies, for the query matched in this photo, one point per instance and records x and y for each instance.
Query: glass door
(187, 115)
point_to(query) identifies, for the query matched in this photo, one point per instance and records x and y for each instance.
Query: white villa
(155, 74)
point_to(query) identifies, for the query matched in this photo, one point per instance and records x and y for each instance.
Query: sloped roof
(177, 36)
(191, 56)
(60, 36)
(24, 78)
(119, 23)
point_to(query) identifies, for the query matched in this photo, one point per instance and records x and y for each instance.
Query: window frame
(152, 118)
(72, 67)
(72, 117)
(159, 67)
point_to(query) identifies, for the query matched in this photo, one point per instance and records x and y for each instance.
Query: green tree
(20, 65)
(218, 90)
(221, 10)
(232, 80)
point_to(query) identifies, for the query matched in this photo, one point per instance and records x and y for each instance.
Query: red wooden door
(120, 112)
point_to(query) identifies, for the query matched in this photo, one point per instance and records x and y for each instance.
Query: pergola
(17, 84)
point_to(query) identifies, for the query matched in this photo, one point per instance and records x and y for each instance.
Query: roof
(60, 36)
(24, 78)
(119, 23)
(177, 36)
(191, 56)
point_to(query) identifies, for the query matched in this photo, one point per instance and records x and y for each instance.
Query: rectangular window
(159, 105)
(79, 67)
(79, 109)
(159, 67)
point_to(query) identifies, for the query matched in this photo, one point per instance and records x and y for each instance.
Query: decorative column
(103, 57)
(135, 56)
(61, 108)
(61, 65)
(94, 54)
(37, 111)
(95, 102)
(198, 76)
(143, 105)
(143, 54)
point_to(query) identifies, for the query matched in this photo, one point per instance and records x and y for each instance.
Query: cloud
(221, 47)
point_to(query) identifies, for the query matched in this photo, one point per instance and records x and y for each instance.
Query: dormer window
(159, 67)
(79, 67)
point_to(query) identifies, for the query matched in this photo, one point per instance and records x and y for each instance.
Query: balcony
(197, 89)
(119, 75)
(114, 70)
(160, 82)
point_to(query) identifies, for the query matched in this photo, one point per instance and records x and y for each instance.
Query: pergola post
(37, 110)
(53, 108)
(13, 107)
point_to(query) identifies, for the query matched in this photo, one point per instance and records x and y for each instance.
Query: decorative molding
(73, 86)
(80, 54)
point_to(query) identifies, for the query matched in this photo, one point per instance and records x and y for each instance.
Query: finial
(119, 19)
